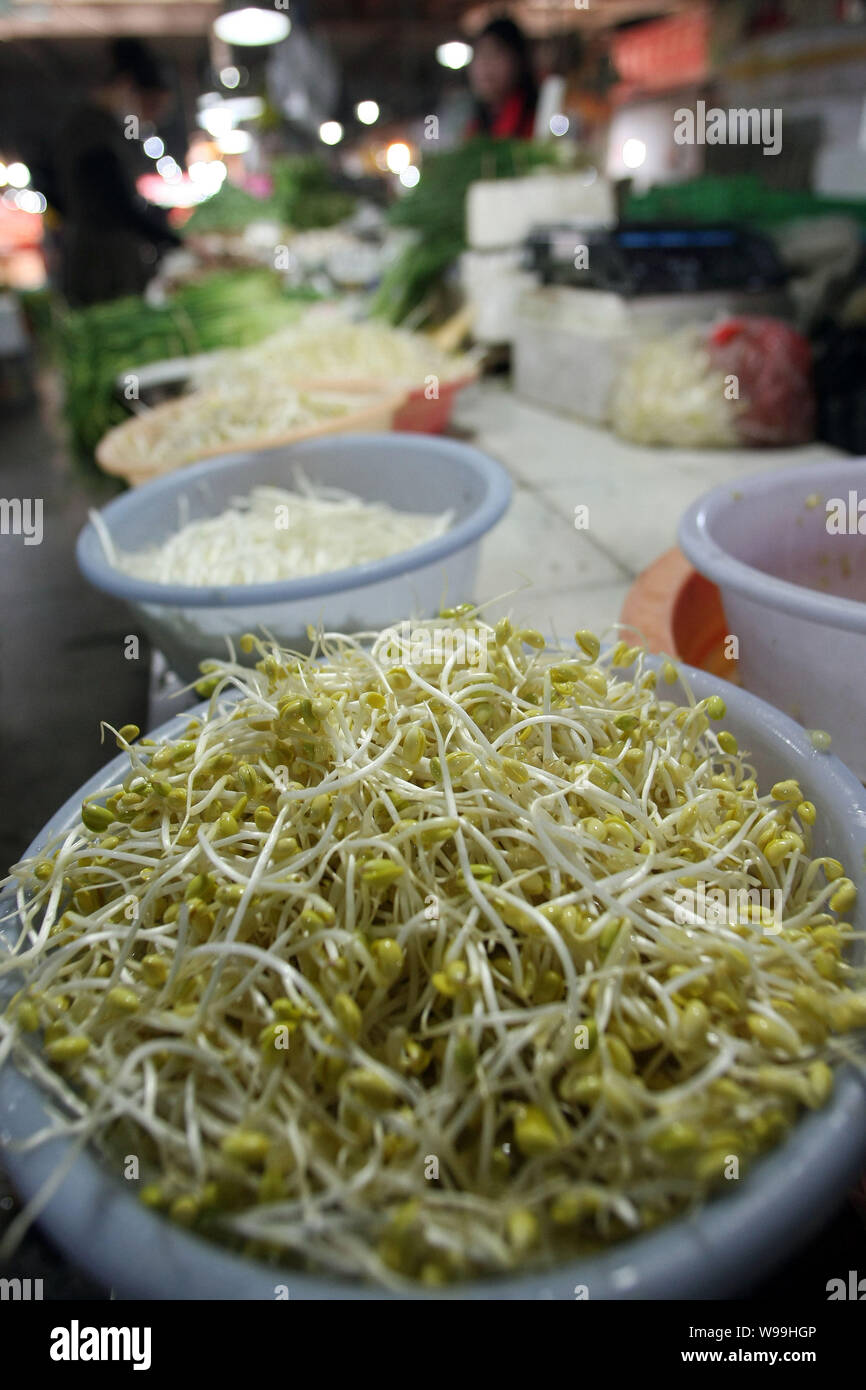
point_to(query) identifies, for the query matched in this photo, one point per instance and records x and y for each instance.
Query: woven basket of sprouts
(208, 423)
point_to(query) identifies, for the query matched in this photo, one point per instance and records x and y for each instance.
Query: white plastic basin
(717, 1251)
(794, 592)
(411, 472)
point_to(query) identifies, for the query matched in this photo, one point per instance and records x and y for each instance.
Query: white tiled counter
(552, 574)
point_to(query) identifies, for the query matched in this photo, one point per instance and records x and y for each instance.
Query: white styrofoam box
(502, 212)
(571, 344)
(560, 361)
(840, 172)
(493, 282)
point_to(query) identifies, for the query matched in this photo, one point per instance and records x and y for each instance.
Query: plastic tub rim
(695, 538)
(102, 575)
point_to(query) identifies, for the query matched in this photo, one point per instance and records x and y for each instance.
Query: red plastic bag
(773, 366)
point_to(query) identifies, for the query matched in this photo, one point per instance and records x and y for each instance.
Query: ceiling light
(18, 175)
(633, 153)
(244, 108)
(168, 168)
(330, 132)
(28, 200)
(367, 112)
(252, 27)
(234, 142)
(454, 55)
(398, 157)
(216, 120)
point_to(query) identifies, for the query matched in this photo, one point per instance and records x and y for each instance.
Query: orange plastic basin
(677, 610)
(420, 415)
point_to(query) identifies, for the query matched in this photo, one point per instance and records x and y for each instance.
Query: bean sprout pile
(206, 421)
(273, 534)
(381, 967)
(669, 392)
(335, 350)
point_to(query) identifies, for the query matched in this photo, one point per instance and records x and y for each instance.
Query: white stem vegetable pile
(206, 421)
(274, 534)
(378, 968)
(331, 349)
(670, 393)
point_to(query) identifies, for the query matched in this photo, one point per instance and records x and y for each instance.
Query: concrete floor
(62, 664)
(560, 576)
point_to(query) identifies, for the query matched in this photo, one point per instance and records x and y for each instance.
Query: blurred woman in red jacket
(503, 83)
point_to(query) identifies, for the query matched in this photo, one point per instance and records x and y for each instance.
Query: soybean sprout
(400, 963)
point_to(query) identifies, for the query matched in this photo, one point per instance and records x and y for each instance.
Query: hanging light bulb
(251, 27)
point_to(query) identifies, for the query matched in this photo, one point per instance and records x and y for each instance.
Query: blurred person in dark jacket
(111, 237)
(503, 83)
